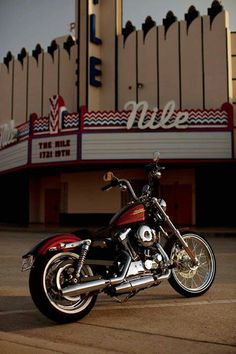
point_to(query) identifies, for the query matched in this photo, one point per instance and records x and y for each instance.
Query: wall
(28, 81)
(81, 193)
(187, 61)
(85, 195)
(181, 177)
(233, 49)
(37, 187)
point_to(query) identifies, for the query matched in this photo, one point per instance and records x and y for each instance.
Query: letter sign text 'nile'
(165, 122)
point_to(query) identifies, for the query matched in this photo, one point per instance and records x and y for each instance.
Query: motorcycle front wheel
(48, 276)
(186, 278)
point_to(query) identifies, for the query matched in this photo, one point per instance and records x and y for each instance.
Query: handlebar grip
(153, 166)
(113, 183)
(108, 186)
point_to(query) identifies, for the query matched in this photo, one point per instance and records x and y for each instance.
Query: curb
(205, 232)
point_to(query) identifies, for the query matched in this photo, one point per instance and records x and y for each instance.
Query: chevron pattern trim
(69, 121)
(118, 120)
(106, 120)
(56, 104)
(23, 131)
(59, 119)
(40, 125)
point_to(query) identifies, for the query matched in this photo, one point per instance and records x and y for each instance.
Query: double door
(52, 206)
(179, 202)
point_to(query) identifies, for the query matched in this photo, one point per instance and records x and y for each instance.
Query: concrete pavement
(157, 320)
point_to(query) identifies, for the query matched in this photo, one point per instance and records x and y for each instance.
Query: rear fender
(52, 243)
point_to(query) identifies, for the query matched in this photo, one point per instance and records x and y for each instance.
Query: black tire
(46, 295)
(186, 279)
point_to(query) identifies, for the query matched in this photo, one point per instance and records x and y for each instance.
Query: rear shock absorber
(84, 250)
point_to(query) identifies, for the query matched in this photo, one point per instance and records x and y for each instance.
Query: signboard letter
(95, 72)
(93, 38)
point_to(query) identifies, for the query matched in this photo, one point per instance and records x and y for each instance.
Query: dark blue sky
(24, 23)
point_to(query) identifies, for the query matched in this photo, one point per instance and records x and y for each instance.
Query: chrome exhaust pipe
(95, 285)
(164, 276)
(141, 283)
(121, 288)
(136, 284)
(82, 288)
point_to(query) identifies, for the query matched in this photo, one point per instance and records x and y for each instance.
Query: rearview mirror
(108, 177)
(156, 156)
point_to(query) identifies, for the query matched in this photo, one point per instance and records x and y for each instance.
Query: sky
(159, 8)
(25, 23)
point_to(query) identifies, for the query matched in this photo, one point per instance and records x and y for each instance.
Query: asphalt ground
(157, 320)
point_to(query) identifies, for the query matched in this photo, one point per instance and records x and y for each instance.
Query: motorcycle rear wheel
(187, 279)
(47, 277)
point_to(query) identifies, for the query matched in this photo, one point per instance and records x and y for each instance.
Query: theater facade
(109, 98)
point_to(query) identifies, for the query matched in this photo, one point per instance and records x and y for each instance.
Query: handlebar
(153, 172)
(154, 167)
(105, 188)
(112, 184)
(120, 182)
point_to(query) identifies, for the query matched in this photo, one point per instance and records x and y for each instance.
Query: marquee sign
(131, 134)
(54, 149)
(59, 119)
(58, 146)
(14, 156)
(8, 134)
(139, 117)
(134, 134)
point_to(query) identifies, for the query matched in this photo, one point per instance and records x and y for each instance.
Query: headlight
(162, 204)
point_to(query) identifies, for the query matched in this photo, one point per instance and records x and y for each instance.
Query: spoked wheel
(186, 278)
(48, 277)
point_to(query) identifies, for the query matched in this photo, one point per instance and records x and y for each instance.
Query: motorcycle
(139, 249)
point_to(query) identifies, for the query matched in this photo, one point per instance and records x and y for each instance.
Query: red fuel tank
(129, 214)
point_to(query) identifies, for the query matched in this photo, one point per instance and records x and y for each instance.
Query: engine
(146, 236)
(145, 250)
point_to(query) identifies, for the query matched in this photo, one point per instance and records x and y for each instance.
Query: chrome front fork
(176, 232)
